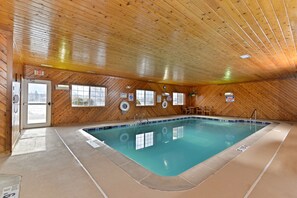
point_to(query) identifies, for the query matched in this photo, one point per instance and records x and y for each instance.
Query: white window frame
(178, 103)
(89, 96)
(145, 98)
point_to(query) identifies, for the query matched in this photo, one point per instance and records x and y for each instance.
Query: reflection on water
(170, 148)
(144, 140)
(229, 139)
(178, 132)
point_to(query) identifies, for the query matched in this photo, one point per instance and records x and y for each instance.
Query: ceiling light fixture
(45, 65)
(245, 56)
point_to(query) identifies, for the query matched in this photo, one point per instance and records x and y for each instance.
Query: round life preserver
(124, 137)
(164, 104)
(124, 106)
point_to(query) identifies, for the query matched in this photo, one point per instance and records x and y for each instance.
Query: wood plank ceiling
(187, 42)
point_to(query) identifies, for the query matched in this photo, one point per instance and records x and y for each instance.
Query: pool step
(93, 143)
(242, 148)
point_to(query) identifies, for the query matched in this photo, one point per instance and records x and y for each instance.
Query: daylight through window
(145, 98)
(87, 96)
(178, 98)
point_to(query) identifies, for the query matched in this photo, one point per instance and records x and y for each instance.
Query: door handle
(49, 103)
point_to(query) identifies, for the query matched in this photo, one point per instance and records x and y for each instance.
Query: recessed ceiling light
(245, 56)
(46, 65)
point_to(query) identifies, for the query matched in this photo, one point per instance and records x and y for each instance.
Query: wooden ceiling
(169, 41)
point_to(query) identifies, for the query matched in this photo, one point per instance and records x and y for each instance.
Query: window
(145, 98)
(87, 96)
(178, 98)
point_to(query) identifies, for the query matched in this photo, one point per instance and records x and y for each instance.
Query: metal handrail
(144, 116)
(139, 118)
(254, 113)
(136, 118)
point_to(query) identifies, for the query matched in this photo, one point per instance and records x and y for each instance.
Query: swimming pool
(168, 148)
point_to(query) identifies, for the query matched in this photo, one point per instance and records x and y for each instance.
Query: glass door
(36, 103)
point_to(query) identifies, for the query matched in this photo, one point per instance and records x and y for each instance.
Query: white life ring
(164, 104)
(124, 137)
(124, 106)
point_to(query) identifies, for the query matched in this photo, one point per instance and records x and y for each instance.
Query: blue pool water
(170, 148)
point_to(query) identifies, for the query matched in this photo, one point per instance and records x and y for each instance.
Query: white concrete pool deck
(57, 162)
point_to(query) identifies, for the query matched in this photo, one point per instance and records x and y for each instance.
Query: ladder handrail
(140, 118)
(144, 116)
(137, 118)
(254, 113)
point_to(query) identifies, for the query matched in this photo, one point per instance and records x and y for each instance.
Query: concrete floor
(57, 162)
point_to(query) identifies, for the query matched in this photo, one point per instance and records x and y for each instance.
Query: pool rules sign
(229, 97)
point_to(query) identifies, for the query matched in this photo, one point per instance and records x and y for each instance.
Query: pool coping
(191, 177)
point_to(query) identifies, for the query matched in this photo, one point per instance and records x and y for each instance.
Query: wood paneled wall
(63, 113)
(273, 99)
(5, 90)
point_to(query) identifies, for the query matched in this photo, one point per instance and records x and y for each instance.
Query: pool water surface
(170, 148)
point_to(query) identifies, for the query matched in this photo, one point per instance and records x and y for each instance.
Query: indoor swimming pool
(170, 147)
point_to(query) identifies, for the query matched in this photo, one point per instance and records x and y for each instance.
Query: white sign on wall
(130, 97)
(123, 95)
(229, 97)
(159, 98)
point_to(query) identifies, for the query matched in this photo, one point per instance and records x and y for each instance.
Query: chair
(192, 110)
(208, 110)
(186, 110)
(199, 110)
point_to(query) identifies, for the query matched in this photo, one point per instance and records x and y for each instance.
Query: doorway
(36, 103)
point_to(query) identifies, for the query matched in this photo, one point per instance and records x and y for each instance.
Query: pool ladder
(253, 114)
(139, 119)
(255, 119)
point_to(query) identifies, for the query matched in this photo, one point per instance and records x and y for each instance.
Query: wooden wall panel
(5, 90)
(63, 113)
(273, 99)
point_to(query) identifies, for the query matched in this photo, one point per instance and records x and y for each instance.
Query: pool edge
(191, 177)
